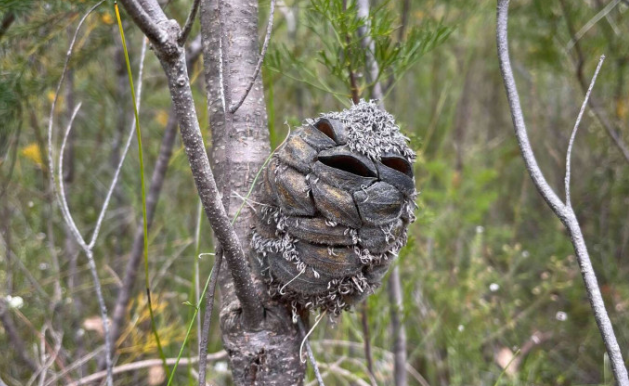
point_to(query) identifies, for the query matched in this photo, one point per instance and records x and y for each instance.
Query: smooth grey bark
(258, 333)
(394, 288)
(266, 352)
(563, 211)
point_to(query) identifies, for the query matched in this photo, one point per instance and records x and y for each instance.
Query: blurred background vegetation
(489, 274)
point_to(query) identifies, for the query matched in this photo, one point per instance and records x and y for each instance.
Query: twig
(394, 288)
(16, 342)
(311, 357)
(576, 128)
(114, 181)
(265, 46)
(7, 20)
(60, 194)
(397, 325)
(370, 47)
(147, 363)
(344, 373)
(207, 318)
(154, 190)
(185, 32)
(416, 374)
(145, 22)
(46, 362)
(564, 212)
(364, 318)
(591, 24)
(74, 365)
(61, 198)
(598, 113)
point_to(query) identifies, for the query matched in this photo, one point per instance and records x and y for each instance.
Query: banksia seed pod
(336, 201)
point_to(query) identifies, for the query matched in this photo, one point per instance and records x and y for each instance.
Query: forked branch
(563, 211)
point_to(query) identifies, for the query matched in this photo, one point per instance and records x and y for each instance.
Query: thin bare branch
(516, 114)
(114, 181)
(395, 292)
(364, 319)
(63, 202)
(61, 199)
(60, 194)
(564, 212)
(311, 357)
(155, 186)
(185, 32)
(594, 105)
(145, 22)
(576, 128)
(7, 20)
(397, 325)
(155, 12)
(16, 342)
(591, 23)
(207, 319)
(370, 47)
(265, 46)
(146, 364)
(76, 364)
(173, 62)
(334, 368)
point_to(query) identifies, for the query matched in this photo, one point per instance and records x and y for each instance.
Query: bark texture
(266, 353)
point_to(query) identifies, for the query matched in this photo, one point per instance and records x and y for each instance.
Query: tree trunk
(267, 354)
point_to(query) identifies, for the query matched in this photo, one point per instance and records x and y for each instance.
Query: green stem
(144, 215)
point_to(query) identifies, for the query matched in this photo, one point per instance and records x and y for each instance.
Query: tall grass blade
(144, 216)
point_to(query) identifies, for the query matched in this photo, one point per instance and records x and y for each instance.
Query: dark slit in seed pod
(298, 154)
(379, 204)
(315, 230)
(335, 204)
(343, 159)
(292, 191)
(315, 138)
(341, 178)
(335, 262)
(286, 272)
(266, 192)
(333, 129)
(382, 238)
(396, 170)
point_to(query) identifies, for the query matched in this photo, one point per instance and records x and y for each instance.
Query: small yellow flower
(621, 108)
(32, 153)
(162, 117)
(107, 19)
